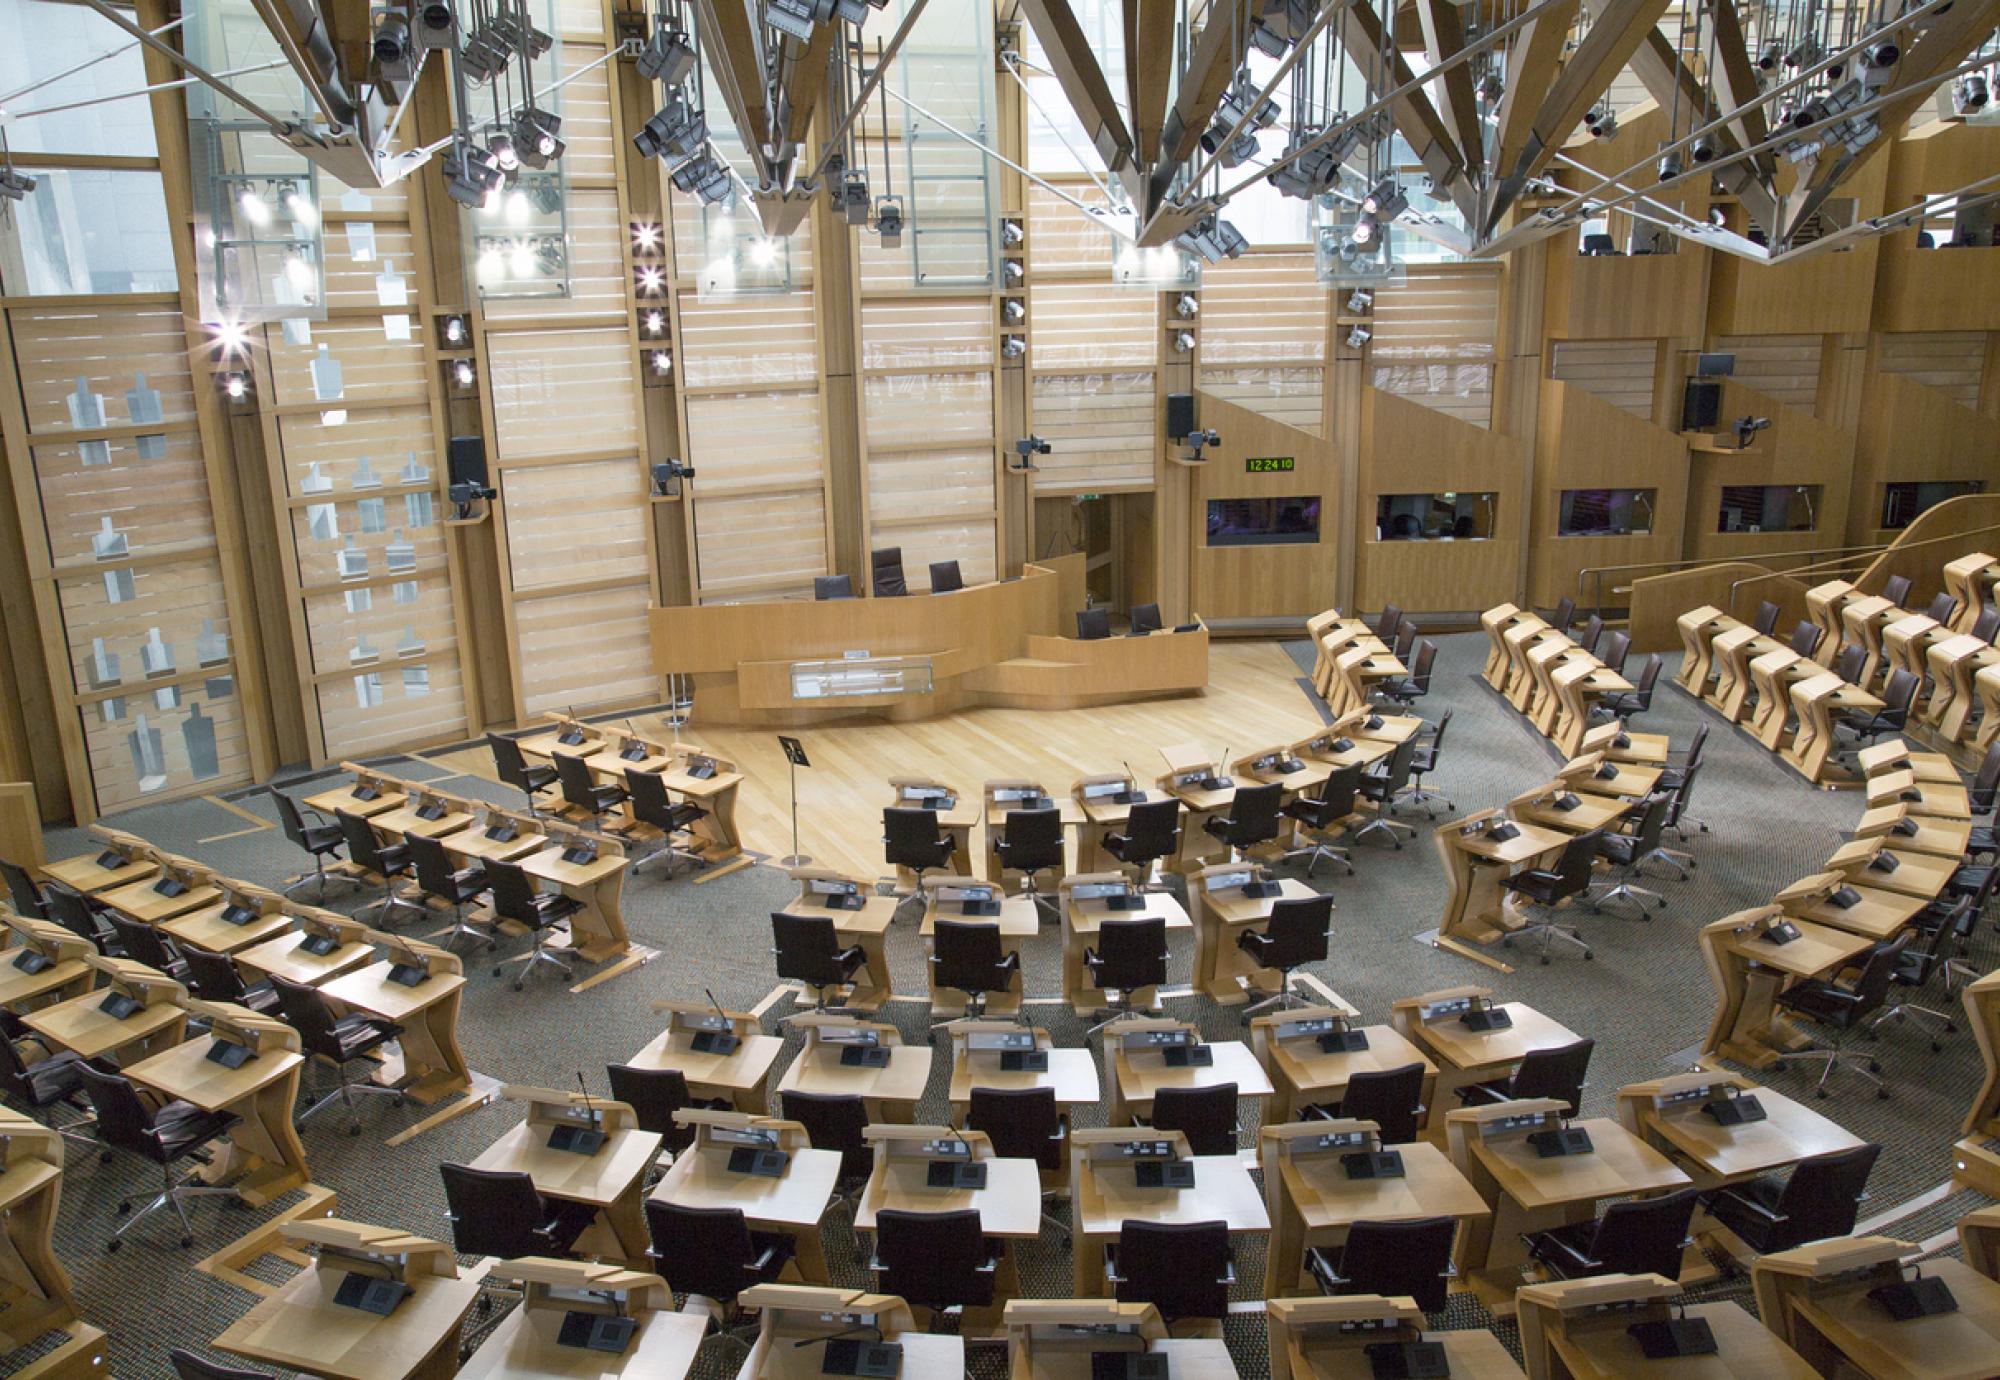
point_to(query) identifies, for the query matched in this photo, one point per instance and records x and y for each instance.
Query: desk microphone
(717, 1041)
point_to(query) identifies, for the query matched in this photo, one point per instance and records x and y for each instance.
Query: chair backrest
(509, 760)
(1644, 1236)
(1942, 608)
(1652, 822)
(1298, 931)
(704, 1251)
(1649, 673)
(646, 793)
(1766, 621)
(1388, 621)
(1022, 1123)
(1683, 793)
(1823, 1196)
(885, 573)
(578, 785)
(1146, 618)
(1592, 630)
(1154, 826)
(1616, 647)
(655, 1095)
(1987, 624)
(1034, 838)
(833, 587)
(1896, 589)
(122, 1119)
(1397, 1259)
(1695, 746)
(1579, 856)
(1132, 953)
(933, 1259)
(140, 941)
(945, 577)
(1178, 1267)
(1391, 1098)
(1556, 1073)
(433, 865)
(14, 1080)
(289, 818)
(1806, 636)
(806, 948)
(362, 849)
(513, 893)
(1899, 696)
(493, 1212)
(967, 956)
(1406, 638)
(188, 1366)
(1092, 624)
(1848, 664)
(1872, 988)
(1206, 1116)
(1396, 770)
(213, 977)
(69, 909)
(1337, 793)
(306, 1012)
(1564, 615)
(833, 1122)
(1420, 673)
(1986, 781)
(910, 837)
(1254, 813)
(21, 888)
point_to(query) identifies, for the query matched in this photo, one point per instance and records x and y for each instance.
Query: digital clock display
(1269, 464)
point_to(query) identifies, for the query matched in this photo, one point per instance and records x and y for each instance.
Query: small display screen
(1270, 464)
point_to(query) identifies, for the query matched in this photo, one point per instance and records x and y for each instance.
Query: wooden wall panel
(405, 621)
(392, 705)
(351, 538)
(1296, 397)
(1264, 308)
(1062, 239)
(587, 649)
(918, 333)
(754, 341)
(760, 545)
(549, 508)
(154, 752)
(1785, 367)
(371, 366)
(1951, 362)
(1913, 433)
(1102, 428)
(395, 441)
(1797, 449)
(152, 492)
(106, 348)
(1090, 326)
(1618, 371)
(350, 281)
(1269, 581)
(927, 410)
(543, 381)
(754, 440)
(916, 486)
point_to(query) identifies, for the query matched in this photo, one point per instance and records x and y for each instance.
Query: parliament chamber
(759, 689)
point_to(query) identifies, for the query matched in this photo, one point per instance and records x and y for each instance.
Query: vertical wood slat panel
(1785, 367)
(1263, 309)
(543, 381)
(567, 524)
(1618, 371)
(586, 649)
(1101, 427)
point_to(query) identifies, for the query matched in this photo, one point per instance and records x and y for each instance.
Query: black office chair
(1387, 621)
(713, 1253)
(1410, 1259)
(1391, 1098)
(1092, 624)
(1916, 967)
(322, 841)
(940, 1261)
(21, 889)
(885, 573)
(1563, 614)
(1899, 697)
(1407, 690)
(165, 1135)
(1550, 888)
(215, 977)
(1206, 1116)
(654, 1096)
(827, 587)
(1130, 956)
(388, 861)
(808, 951)
(1680, 821)
(1295, 935)
(1896, 589)
(1556, 1073)
(335, 1042)
(1592, 631)
(499, 1213)
(1252, 818)
(144, 944)
(1183, 1269)
(1986, 627)
(1406, 639)
(945, 577)
(1820, 1200)
(1323, 818)
(1430, 749)
(966, 957)
(1025, 1124)
(437, 878)
(911, 838)
(1806, 636)
(516, 898)
(1943, 609)
(1841, 1010)
(1152, 831)
(1641, 1236)
(72, 910)
(646, 792)
(1030, 842)
(580, 788)
(512, 764)
(1630, 852)
(1630, 704)
(1848, 665)
(188, 1366)
(1766, 621)
(49, 1082)
(838, 1123)
(1383, 786)
(1146, 618)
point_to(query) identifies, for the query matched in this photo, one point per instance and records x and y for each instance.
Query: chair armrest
(1542, 1245)
(1228, 1268)
(763, 1261)
(1322, 1271)
(1111, 1274)
(1750, 1206)
(1011, 962)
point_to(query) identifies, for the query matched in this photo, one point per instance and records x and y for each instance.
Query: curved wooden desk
(1971, 580)
(1698, 629)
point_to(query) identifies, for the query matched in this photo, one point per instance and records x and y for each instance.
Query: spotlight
(667, 57)
(500, 148)
(469, 173)
(1385, 199)
(1213, 239)
(392, 44)
(455, 332)
(852, 197)
(1187, 305)
(1883, 54)
(645, 237)
(536, 143)
(653, 323)
(1013, 272)
(462, 373)
(1357, 336)
(1670, 167)
(1011, 233)
(1969, 95)
(1602, 123)
(651, 280)
(662, 361)
(889, 225)
(705, 177)
(255, 209)
(15, 185)
(1013, 347)
(1366, 233)
(1768, 56)
(1313, 171)
(1183, 341)
(231, 340)
(1013, 311)
(677, 132)
(297, 204)
(435, 21)
(1360, 300)
(1703, 149)
(1236, 104)
(1233, 154)
(235, 384)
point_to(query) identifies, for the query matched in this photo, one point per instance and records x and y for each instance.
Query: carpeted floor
(1645, 999)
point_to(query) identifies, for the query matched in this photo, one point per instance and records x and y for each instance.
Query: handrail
(1596, 573)
(1834, 568)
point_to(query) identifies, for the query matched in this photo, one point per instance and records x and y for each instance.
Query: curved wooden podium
(798, 662)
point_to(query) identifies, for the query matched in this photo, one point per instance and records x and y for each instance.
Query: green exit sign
(1269, 464)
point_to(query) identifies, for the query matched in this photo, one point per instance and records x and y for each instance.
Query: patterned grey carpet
(1645, 999)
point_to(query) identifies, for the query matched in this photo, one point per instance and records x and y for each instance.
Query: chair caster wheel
(1661, 906)
(1507, 942)
(113, 1244)
(1545, 960)
(1821, 1092)
(1936, 1047)
(517, 986)
(1874, 1066)
(497, 970)
(1399, 848)
(186, 1241)
(1950, 1028)
(355, 1129)
(124, 1208)
(1588, 955)
(104, 1157)
(400, 1101)
(485, 1305)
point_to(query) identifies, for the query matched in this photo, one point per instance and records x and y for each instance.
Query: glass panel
(1901, 502)
(354, 540)
(1768, 508)
(89, 230)
(140, 747)
(127, 623)
(1263, 521)
(1434, 517)
(1606, 512)
(64, 35)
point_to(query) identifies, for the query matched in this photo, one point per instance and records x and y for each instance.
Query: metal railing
(1593, 575)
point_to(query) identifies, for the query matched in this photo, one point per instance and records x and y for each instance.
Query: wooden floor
(1253, 700)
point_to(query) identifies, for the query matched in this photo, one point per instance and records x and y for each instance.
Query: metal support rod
(206, 77)
(868, 85)
(1291, 60)
(1013, 64)
(39, 82)
(145, 90)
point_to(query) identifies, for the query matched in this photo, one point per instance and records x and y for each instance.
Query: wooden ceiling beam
(1149, 72)
(733, 37)
(1075, 65)
(1444, 35)
(1532, 61)
(1668, 80)
(1375, 54)
(805, 80)
(1735, 78)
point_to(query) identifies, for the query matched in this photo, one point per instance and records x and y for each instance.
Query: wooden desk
(1776, 674)
(68, 974)
(714, 837)
(995, 814)
(1944, 838)
(743, 1075)
(1970, 580)
(1987, 685)
(1823, 605)
(611, 1181)
(80, 1025)
(1973, 1163)
(206, 929)
(1304, 1075)
(432, 1066)
(891, 1093)
(1081, 920)
(35, 1292)
(1071, 1075)
(791, 1205)
(597, 932)
(867, 927)
(392, 825)
(1749, 971)
(1009, 1206)
(284, 958)
(1698, 630)
(1627, 782)
(1222, 913)
(1862, 620)
(1877, 915)
(1579, 1329)
(1478, 908)
(1714, 1154)
(1907, 873)
(956, 811)
(387, 796)
(1831, 1321)
(1468, 1056)
(1578, 689)
(475, 845)
(796, 1320)
(261, 1157)
(1816, 701)
(1955, 666)
(83, 872)
(1327, 1339)
(1106, 1194)
(142, 903)
(1590, 812)
(525, 1344)
(1497, 622)
(1135, 1075)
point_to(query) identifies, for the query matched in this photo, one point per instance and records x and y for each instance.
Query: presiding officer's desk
(1314, 1200)
(728, 1166)
(1055, 1339)
(1436, 1023)
(1085, 901)
(34, 1288)
(44, 964)
(965, 901)
(1750, 961)
(795, 1321)
(844, 1057)
(1531, 1192)
(611, 1179)
(1815, 1297)
(1105, 1193)
(1305, 1051)
(787, 661)
(1224, 909)
(1006, 1057)
(1143, 1054)
(304, 1325)
(740, 1073)
(529, 1343)
(860, 917)
(1330, 1339)
(957, 813)
(1581, 1328)
(325, 945)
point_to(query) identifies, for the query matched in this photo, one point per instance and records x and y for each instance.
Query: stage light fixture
(1013, 272)
(889, 225)
(706, 177)
(1183, 341)
(1357, 336)
(462, 373)
(1212, 239)
(667, 57)
(1702, 150)
(1385, 199)
(662, 361)
(653, 323)
(1187, 306)
(536, 142)
(1013, 347)
(1670, 166)
(470, 174)
(1360, 300)
(297, 205)
(677, 132)
(235, 384)
(1490, 89)
(1969, 95)
(255, 209)
(435, 21)
(455, 330)
(852, 197)
(15, 185)
(1366, 233)
(1013, 311)
(1011, 233)
(1314, 170)
(232, 341)
(645, 237)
